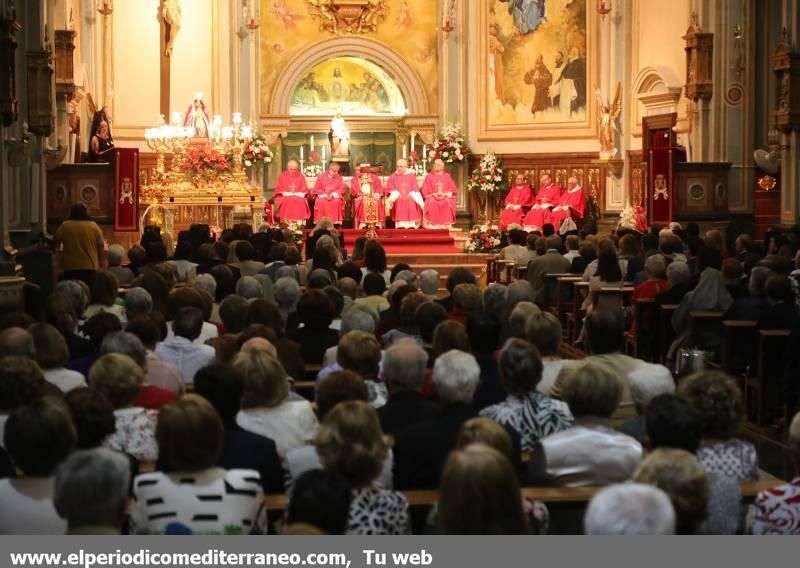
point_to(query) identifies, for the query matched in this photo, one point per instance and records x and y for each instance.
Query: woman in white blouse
(266, 407)
(38, 437)
(190, 495)
(52, 355)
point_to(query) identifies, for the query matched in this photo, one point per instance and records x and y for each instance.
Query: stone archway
(406, 78)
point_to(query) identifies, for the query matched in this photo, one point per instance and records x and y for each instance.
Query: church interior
(412, 255)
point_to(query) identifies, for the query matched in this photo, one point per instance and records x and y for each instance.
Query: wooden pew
(550, 302)
(565, 294)
(708, 322)
(666, 335)
(765, 387)
(575, 317)
(490, 269)
(551, 496)
(738, 340)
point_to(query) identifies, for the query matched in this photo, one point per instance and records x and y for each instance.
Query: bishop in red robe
(291, 191)
(329, 190)
(360, 193)
(519, 197)
(571, 204)
(439, 191)
(547, 197)
(405, 200)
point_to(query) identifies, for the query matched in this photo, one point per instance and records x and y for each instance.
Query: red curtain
(126, 190)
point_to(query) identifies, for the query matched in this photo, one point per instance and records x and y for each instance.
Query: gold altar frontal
(179, 197)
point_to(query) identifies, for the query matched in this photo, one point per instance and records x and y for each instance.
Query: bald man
(405, 199)
(290, 195)
(571, 204)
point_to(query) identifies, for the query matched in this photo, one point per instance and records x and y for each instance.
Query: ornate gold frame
(586, 129)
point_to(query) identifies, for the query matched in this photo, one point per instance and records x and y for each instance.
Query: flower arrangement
(256, 152)
(484, 239)
(415, 165)
(449, 145)
(313, 166)
(488, 176)
(206, 160)
(633, 218)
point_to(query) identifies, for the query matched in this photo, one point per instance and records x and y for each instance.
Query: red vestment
(546, 198)
(572, 204)
(329, 203)
(290, 197)
(359, 199)
(406, 200)
(439, 191)
(518, 197)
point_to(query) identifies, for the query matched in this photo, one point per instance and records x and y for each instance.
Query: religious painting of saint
(537, 66)
(349, 86)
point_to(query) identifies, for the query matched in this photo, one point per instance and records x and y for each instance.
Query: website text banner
(379, 552)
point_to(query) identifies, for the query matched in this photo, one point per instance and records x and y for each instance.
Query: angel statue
(608, 127)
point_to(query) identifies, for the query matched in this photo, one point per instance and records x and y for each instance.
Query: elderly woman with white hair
(91, 491)
(777, 510)
(287, 294)
(421, 450)
(138, 302)
(679, 276)
(116, 254)
(630, 509)
(646, 382)
(208, 284)
(429, 282)
(249, 288)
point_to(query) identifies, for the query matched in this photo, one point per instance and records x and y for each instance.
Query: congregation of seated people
(247, 366)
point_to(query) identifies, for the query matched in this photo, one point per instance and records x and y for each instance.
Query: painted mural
(288, 29)
(347, 85)
(536, 62)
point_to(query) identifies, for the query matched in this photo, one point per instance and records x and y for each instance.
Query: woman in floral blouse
(350, 441)
(715, 396)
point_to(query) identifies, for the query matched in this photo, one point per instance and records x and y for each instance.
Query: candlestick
(324, 152)
(312, 142)
(404, 152)
(411, 144)
(424, 157)
(301, 153)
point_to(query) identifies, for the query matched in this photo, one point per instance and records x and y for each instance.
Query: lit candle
(324, 152)
(404, 152)
(424, 156)
(411, 143)
(312, 142)
(176, 118)
(247, 132)
(237, 118)
(301, 153)
(227, 133)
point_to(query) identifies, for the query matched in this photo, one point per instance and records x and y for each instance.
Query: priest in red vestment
(329, 190)
(361, 192)
(547, 197)
(519, 196)
(439, 191)
(290, 195)
(405, 200)
(572, 204)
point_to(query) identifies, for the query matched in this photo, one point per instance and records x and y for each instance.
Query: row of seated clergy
(549, 205)
(434, 206)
